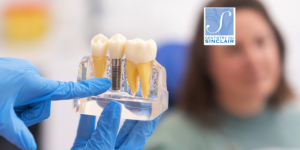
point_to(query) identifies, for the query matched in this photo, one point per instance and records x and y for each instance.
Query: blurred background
(55, 35)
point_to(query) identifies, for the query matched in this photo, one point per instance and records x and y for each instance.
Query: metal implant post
(116, 74)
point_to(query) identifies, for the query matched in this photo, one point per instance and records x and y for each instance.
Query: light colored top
(272, 130)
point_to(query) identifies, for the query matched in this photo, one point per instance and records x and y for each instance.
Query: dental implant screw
(116, 74)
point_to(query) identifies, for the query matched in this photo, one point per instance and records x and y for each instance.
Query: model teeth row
(139, 56)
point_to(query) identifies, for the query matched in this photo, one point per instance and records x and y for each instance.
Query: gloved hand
(132, 136)
(25, 98)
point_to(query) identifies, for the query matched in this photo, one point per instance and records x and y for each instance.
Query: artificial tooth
(139, 56)
(99, 46)
(116, 45)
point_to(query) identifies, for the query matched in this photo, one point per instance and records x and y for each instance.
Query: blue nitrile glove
(25, 98)
(132, 136)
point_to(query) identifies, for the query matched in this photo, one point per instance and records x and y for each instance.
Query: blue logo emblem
(219, 26)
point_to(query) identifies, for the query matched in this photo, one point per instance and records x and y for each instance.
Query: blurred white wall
(73, 23)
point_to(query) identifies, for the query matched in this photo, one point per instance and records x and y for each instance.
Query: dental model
(99, 46)
(139, 56)
(116, 46)
(138, 81)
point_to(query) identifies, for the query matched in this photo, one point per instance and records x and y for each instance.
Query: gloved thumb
(104, 137)
(15, 131)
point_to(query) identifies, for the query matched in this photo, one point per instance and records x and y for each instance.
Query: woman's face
(246, 74)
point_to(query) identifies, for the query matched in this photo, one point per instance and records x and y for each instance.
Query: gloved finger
(85, 130)
(86, 127)
(15, 131)
(33, 113)
(124, 132)
(46, 89)
(104, 136)
(137, 138)
(140, 108)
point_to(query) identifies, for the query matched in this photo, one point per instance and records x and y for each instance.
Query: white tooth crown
(99, 45)
(116, 45)
(140, 51)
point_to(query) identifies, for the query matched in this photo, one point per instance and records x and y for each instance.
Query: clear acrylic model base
(134, 107)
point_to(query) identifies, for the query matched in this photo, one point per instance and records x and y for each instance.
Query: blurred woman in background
(234, 97)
